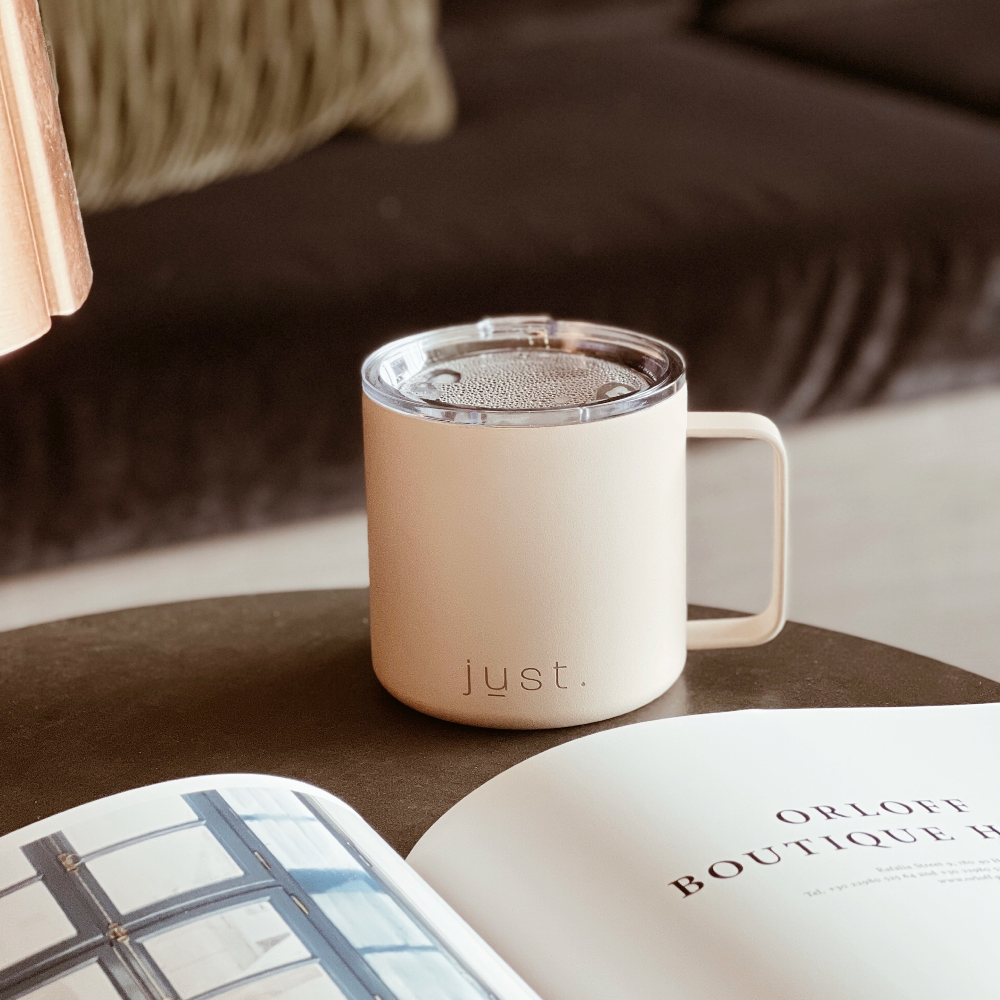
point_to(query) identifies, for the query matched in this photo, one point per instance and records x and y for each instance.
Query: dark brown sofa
(814, 230)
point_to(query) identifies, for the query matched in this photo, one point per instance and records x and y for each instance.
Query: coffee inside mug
(523, 371)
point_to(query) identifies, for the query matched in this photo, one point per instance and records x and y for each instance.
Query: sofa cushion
(945, 49)
(809, 243)
(159, 97)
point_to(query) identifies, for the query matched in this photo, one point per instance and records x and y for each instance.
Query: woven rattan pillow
(159, 96)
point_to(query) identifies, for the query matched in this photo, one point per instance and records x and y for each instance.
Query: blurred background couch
(802, 195)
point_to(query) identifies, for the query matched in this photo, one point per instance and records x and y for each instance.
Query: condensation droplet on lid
(424, 390)
(613, 390)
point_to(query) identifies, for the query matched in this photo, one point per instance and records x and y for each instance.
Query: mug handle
(749, 630)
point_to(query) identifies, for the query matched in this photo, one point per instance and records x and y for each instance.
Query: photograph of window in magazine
(244, 893)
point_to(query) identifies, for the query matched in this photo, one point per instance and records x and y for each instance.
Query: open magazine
(828, 853)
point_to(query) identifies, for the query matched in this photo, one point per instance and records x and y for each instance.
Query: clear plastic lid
(522, 371)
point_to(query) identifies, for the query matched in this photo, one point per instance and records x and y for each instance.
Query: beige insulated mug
(526, 521)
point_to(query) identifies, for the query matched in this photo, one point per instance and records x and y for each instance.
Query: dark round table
(282, 684)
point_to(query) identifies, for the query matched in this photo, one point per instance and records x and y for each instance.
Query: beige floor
(895, 537)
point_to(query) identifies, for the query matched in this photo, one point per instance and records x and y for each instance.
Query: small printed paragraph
(982, 870)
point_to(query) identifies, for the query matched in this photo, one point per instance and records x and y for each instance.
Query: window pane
(132, 821)
(355, 903)
(89, 983)
(308, 982)
(14, 868)
(389, 939)
(161, 867)
(31, 921)
(288, 829)
(423, 975)
(205, 954)
(363, 913)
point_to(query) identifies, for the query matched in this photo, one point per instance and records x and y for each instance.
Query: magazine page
(236, 887)
(834, 854)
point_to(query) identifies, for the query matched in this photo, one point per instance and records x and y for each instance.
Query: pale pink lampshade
(44, 265)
